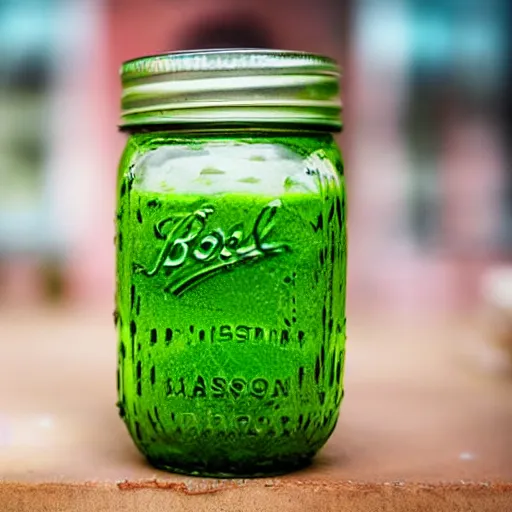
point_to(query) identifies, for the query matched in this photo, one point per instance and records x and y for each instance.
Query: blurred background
(426, 141)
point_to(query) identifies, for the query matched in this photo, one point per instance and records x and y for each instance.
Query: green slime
(231, 262)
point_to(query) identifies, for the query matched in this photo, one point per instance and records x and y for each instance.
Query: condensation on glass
(231, 260)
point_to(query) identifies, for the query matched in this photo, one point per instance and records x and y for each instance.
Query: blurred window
(26, 37)
(456, 70)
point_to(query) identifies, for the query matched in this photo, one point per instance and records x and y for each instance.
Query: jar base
(254, 471)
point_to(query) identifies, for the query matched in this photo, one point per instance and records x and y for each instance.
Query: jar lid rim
(224, 60)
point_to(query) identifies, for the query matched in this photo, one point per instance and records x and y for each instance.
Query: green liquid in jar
(231, 307)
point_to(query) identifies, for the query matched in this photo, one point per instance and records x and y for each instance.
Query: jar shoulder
(164, 162)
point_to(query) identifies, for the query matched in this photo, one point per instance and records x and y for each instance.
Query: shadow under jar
(231, 260)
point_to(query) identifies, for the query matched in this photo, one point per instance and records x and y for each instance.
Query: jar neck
(231, 129)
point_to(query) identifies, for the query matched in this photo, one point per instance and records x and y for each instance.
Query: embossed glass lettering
(222, 388)
(187, 243)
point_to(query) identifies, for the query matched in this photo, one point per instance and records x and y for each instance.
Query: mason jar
(231, 258)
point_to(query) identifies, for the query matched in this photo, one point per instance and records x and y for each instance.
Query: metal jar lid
(231, 87)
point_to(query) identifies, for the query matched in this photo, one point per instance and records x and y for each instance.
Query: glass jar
(231, 258)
